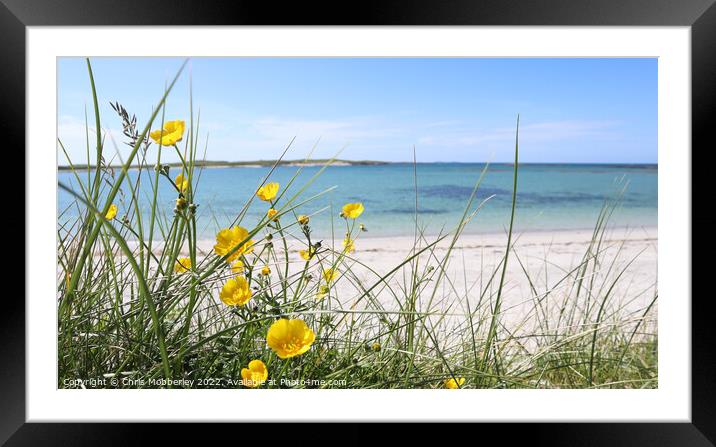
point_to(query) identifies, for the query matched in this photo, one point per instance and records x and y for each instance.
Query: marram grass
(141, 305)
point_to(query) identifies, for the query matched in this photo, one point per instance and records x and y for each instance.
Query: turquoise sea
(549, 196)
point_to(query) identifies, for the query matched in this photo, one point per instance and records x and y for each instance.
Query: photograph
(357, 223)
(472, 212)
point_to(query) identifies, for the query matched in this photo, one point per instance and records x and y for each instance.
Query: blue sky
(572, 110)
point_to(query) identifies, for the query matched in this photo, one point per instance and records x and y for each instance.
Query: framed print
(231, 218)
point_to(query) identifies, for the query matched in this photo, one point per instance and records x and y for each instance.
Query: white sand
(548, 256)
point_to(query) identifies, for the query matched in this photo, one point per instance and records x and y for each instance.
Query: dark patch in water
(363, 200)
(558, 198)
(458, 192)
(642, 167)
(565, 198)
(412, 211)
(524, 197)
(352, 199)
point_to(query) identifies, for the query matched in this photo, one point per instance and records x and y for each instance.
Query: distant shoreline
(247, 164)
(323, 162)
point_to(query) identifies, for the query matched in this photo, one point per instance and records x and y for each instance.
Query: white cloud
(73, 134)
(266, 137)
(347, 129)
(534, 132)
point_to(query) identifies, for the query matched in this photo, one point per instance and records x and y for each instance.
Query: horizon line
(269, 162)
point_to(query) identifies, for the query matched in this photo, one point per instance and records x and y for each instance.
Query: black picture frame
(700, 15)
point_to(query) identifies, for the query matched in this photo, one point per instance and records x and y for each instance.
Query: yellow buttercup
(289, 338)
(236, 292)
(228, 238)
(181, 182)
(307, 255)
(329, 275)
(111, 212)
(255, 375)
(352, 210)
(454, 383)
(182, 265)
(268, 191)
(171, 134)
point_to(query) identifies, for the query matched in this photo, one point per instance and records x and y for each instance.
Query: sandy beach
(541, 266)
